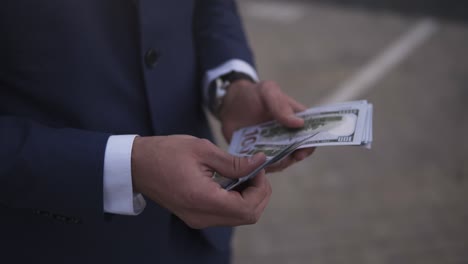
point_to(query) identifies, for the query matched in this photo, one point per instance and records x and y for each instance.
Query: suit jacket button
(151, 58)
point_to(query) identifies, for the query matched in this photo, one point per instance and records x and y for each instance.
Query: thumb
(282, 108)
(235, 167)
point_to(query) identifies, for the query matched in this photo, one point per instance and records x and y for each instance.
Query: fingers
(281, 106)
(184, 186)
(301, 154)
(296, 156)
(231, 166)
(281, 165)
(257, 194)
(258, 190)
(253, 199)
(231, 208)
(297, 107)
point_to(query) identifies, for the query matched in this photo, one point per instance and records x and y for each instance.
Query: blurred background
(404, 201)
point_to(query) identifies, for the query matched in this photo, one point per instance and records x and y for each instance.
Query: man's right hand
(175, 172)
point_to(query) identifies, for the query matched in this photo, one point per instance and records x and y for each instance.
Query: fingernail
(297, 119)
(256, 158)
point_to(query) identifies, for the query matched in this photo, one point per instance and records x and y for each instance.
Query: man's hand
(248, 103)
(176, 171)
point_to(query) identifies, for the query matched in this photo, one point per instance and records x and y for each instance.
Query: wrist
(137, 143)
(220, 87)
(241, 93)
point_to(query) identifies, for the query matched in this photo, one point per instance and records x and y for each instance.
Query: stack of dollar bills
(341, 124)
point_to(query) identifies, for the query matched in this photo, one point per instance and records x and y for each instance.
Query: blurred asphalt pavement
(404, 201)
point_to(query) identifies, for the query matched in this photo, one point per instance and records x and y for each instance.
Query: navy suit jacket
(74, 72)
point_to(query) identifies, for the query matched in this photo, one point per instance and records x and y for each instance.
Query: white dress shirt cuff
(117, 179)
(230, 65)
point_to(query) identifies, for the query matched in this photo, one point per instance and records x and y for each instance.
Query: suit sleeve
(219, 35)
(52, 169)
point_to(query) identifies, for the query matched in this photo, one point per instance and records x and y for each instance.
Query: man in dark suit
(100, 105)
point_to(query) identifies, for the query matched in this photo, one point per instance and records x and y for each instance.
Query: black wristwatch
(218, 89)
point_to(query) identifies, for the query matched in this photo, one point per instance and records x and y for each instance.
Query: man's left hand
(247, 103)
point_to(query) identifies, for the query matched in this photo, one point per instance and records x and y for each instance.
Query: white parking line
(366, 78)
(275, 11)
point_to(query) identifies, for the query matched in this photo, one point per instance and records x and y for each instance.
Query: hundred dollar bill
(339, 124)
